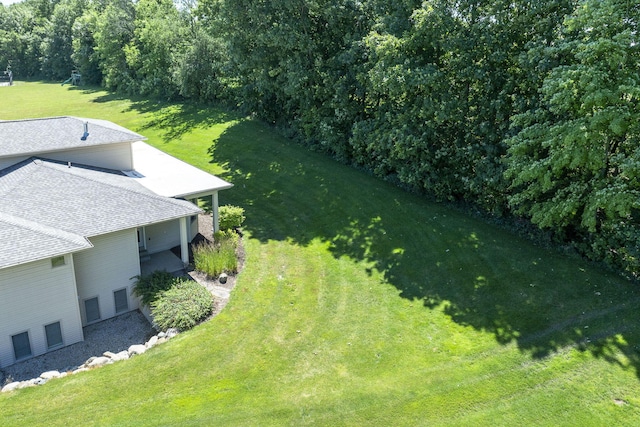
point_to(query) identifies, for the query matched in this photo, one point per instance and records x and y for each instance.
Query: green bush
(182, 306)
(217, 257)
(147, 287)
(231, 217)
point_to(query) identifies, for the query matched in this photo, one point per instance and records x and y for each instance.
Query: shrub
(182, 306)
(230, 217)
(147, 287)
(217, 257)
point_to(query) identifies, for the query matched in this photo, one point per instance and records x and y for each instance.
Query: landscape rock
(123, 355)
(137, 349)
(11, 386)
(152, 341)
(50, 374)
(109, 354)
(25, 384)
(171, 332)
(99, 361)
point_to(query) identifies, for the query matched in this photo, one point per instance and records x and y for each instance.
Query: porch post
(184, 242)
(214, 208)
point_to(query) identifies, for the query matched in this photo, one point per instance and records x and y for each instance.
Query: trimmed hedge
(231, 217)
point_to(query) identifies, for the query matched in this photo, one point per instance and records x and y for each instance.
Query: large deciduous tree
(84, 56)
(575, 162)
(159, 37)
(57, 49)
(114, 31)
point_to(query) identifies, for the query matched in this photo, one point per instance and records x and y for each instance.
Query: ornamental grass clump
(182, 306)
(219, 256)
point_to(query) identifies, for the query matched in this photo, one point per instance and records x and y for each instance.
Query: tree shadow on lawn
(482, 276)
(172, 119)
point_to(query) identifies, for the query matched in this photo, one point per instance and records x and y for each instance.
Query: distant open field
(359, 304)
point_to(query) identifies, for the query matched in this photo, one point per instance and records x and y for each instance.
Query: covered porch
(170, 177)
(175, 254)
(165, 260)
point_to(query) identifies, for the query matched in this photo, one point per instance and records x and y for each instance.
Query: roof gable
(23, 241)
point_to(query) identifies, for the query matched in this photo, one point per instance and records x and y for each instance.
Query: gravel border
(115, 334)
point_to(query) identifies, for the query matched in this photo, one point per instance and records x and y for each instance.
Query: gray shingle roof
(33, 136)
(22, 241)
(78, 201)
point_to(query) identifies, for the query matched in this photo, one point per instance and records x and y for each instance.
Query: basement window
(21, 346)
(92, 309)
(121, 300)
(54, 335)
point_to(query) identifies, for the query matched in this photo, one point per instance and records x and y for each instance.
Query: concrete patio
(165, 260)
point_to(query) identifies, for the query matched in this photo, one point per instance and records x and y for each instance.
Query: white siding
(111, 156)
(162, 236)
(34, 295)
(193, 227)
(109, 266)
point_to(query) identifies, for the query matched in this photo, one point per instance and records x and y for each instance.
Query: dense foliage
(518, 107)
(182, 306)
(147, 287)
(230, 217)
(175, 302)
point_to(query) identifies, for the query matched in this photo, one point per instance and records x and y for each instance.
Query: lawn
(359, 304)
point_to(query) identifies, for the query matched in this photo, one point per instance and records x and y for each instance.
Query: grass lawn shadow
(172, 119)
(479, 275)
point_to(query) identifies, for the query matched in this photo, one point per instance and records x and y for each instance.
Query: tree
(84, 55)
(114, 31)
(575, 162)
(22, 30)
(159, 38)
(57, 45)
(288, 54)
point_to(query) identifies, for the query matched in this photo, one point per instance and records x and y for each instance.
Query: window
(21, 345)
(92, 309)
(54, 335)
(57, 261)
(121, 300)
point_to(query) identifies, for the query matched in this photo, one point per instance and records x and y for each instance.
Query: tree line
(519, 107)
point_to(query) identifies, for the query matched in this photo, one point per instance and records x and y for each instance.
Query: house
(85, 205)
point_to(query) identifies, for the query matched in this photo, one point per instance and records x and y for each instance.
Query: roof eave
(27, 260)
(202, 193)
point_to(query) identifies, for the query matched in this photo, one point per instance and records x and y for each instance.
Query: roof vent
(86, 131)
